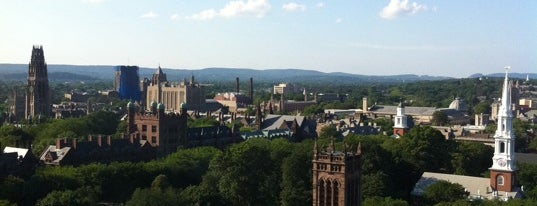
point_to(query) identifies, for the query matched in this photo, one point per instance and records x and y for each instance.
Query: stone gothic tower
(337, 177)
(38, 92)
(503, 170)
(400, 127)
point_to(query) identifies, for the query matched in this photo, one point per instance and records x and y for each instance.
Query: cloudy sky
(378, 37)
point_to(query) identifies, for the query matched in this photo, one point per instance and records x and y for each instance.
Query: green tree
(81, 196)
(439, 118)
(155, 197)
(160, 182)
(383, 201)
(444, 191)
(245, 171)
(328, 132)
(471, 158)
(12, 189)
(296, 182)
(482, 108)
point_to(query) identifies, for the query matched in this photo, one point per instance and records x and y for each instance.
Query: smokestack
(364, 104)
(251, 90)
(237, 84)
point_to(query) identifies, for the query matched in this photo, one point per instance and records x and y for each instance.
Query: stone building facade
(38, 99)
(158, 89)
(337, 177)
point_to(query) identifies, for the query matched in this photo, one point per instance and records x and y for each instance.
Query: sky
(372, 37)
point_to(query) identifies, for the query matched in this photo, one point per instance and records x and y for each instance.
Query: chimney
(58, 143)
(74, 143)
(99, 140)
(237, 85)
(109, 140)
(251, 90)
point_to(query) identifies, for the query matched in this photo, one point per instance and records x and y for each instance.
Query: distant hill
(511, 75)
(64, 73)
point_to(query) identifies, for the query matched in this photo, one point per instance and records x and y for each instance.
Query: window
(154, 140)
(144, 128)
(499, 180)
(502, 147)
(153, 128)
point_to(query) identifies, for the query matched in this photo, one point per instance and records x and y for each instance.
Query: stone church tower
(337, 177)
(503, 170)
(400, 126)
(38, 93)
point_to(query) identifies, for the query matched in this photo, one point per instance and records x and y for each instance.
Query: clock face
(501, 162)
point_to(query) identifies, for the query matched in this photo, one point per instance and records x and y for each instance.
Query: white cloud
(294, 7)
(174, 17)
(398, 7)
(319, 5)
(339, 20)
(256, 8)
(149, 15)
(204, 15)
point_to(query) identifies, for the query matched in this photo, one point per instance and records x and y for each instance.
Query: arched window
(336, 193)
(321, 188)
(499, 180)
(329, 189)
(502, 147)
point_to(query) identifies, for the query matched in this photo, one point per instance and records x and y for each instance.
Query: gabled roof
(478, 187)
(272, 121)
(56, 154)
(20, 151)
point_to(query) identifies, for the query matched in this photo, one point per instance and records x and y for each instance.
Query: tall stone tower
(503, 170)
(400, 127)
(337, 177)
(38, 92)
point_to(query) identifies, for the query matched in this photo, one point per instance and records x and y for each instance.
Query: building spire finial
(331, 148)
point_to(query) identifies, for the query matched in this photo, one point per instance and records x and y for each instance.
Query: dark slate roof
(414, 111)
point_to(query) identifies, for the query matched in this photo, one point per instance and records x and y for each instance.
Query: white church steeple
(504, 160)
(400, 125)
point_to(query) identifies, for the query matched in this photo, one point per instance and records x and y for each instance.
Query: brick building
(168, 131)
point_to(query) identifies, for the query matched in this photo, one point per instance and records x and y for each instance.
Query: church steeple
(400, 126)
(502, 172)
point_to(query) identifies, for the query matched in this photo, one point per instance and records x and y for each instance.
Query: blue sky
(374, 37)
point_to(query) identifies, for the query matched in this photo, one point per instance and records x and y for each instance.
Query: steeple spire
(503, 170)
(506, 95)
